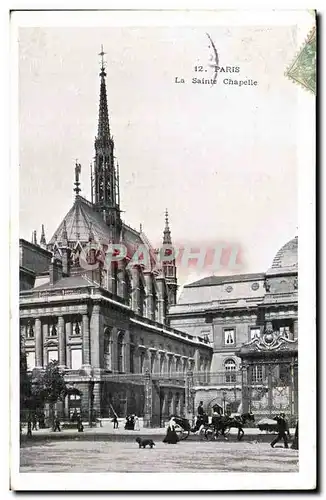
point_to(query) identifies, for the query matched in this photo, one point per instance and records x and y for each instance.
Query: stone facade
(231, 311)
(103, 319)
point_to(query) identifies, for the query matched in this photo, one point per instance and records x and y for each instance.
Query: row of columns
(64, 331)
(165, 363)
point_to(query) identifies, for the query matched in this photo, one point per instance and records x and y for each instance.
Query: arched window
(121, 353)
(108, 349)
(142, 362)
(230, 367)
(178, 365)
(170, 365)
(132, 354)
(162, 359)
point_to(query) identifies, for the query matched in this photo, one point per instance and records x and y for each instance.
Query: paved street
(186, 456)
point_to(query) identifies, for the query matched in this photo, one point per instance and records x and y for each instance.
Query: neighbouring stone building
(106, 323)
(251, 322)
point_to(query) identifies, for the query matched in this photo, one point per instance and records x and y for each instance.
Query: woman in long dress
(171, 436)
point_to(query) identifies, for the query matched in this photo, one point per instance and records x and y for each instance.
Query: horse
(225, 423)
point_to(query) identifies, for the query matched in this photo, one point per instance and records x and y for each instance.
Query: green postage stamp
(303, 68)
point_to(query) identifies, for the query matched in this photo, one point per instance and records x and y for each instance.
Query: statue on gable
(295, 283)
(267, 285)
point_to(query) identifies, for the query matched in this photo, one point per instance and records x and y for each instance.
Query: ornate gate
(270, 378)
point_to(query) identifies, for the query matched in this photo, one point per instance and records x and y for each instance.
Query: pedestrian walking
(29, 426)
(282, 429)
(115, 422)
(137, 426)
(80, 426)
(34, 421)
(57, 425)
(171, 436)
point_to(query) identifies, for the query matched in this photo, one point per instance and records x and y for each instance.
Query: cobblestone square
(118, 456)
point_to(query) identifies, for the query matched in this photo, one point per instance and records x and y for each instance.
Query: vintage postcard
(163, 318)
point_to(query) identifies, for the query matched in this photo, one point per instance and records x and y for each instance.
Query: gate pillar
(189, 397)
(245, 389)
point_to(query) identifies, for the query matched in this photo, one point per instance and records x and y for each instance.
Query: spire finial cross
(102, 54)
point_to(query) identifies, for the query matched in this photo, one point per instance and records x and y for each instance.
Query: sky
(221, 158)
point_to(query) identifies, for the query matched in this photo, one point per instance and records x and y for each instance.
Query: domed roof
(287, 257)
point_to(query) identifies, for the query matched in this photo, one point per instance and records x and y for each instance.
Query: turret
(169, 267)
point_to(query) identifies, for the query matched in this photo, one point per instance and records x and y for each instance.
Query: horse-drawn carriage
(220, 426)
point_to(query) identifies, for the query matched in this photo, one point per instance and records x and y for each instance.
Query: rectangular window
(229, 336)
(53, 332)
(30, 331)
(254, 332)
(257, 374)
(76, 328)
(52, 355)
(30, 359)
(76, 359)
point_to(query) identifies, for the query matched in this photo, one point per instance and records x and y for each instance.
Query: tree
(49, 386)
(25, 381)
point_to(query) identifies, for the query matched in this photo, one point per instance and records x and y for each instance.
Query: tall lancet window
(121, 352)
(108, 349)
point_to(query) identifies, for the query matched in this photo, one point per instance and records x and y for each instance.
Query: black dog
(145, 442)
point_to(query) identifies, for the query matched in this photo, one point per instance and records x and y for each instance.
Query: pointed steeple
(43, 240)
(103, 129)
(169, 267)
(167, 233)
(105, 177)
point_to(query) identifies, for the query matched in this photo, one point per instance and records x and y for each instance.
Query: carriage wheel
(181, 433)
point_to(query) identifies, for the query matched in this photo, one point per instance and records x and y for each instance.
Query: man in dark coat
(282, 429)
(200, 409)
(57, 425)
(34, 421)
(295, 444)
(29, 426)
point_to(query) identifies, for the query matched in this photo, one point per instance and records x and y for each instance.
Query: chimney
(55, 271)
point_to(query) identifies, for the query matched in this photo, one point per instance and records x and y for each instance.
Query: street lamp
(90, 402)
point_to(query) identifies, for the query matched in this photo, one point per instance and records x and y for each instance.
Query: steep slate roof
(69, 282)
(82, 219)
(220, 280)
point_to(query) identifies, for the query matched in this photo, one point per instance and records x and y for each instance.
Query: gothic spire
(105, 176)
(167, 233)
(103, 131)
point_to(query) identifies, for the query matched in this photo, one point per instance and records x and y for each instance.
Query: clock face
(255, 286)
(229, 288)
